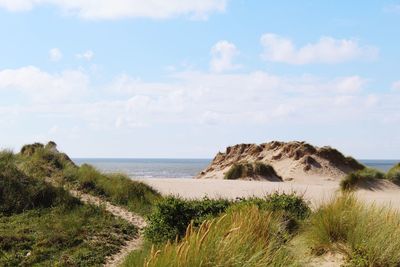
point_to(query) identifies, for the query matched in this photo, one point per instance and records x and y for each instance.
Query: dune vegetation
(168, 230)
(365, 235)
(251, 170)
(43, 225)
(394, 174)
(369, 175)
(45, 162)
(246, 234)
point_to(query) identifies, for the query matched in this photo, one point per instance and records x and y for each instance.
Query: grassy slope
(43, 225)
(75, 236)
(45, 162)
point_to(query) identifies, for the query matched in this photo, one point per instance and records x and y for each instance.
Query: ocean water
(150, 168)
(178, 168)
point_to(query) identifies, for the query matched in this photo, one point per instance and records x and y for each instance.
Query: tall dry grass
(367, 235)
(244, 236)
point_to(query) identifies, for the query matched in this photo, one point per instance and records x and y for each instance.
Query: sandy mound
(297, 161)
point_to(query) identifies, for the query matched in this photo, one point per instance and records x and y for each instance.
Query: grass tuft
(245, 236)
(251, 170)
(364, 234)
(394, 174)
(352, 180)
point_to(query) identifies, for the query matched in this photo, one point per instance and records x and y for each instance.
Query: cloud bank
(116, 9)
(325, 50)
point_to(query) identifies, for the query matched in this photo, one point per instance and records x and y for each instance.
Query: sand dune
(382, 193)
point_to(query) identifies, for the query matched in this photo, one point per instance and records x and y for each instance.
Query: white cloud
(223, 54)
(87, 55)
(326, 50)
(55, 54)
(395, 8)
(43, 87)
(191, 97)
(352, 84)
(396, 86)
(106, 9)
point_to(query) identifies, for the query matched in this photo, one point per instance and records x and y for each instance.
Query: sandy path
(316, 193)
(138, 221)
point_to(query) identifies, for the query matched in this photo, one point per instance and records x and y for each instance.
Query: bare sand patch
(316, 193)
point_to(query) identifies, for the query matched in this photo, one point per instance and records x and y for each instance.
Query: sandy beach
(384, 194)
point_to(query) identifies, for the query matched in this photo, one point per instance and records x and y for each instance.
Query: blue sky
(135, 78)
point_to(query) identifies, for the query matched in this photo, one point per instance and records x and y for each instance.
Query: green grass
(19, 192)
(252, 170)
(244, 236)
(354, 179)
(116, 188)
(42, 225)
(172, 215)
(366, 235)
(394, 174)
(75, 236)
(44, 161)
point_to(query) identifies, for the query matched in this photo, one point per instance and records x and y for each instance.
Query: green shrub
(352, 180)
(252, 170)
(364, 234)
(291, 204)
(172, 215)
(394, 174)
(245, 236)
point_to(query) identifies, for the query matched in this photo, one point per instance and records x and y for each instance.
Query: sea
(177, 168)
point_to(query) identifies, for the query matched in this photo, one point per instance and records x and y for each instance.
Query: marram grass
(244, 236)
(367, 235)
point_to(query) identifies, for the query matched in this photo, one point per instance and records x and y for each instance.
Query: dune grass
(46, 162)
(20, 192)
(394, 174)
(252, 170)
(366, 235)
(42, 225)
(80, 235)
(172, 215)
(352, 180)
(244, 236)
(116, 188)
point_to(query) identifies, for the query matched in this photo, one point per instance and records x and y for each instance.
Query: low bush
(364, 234)
(172, 215)
(394, 174)
(352, 180)
(244, 236)
(252, 170)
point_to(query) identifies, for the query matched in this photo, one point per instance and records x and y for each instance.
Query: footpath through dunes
(135, 219)
(115, 193)
(385, 193)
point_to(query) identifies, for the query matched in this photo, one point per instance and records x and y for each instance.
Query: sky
(186, 78)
